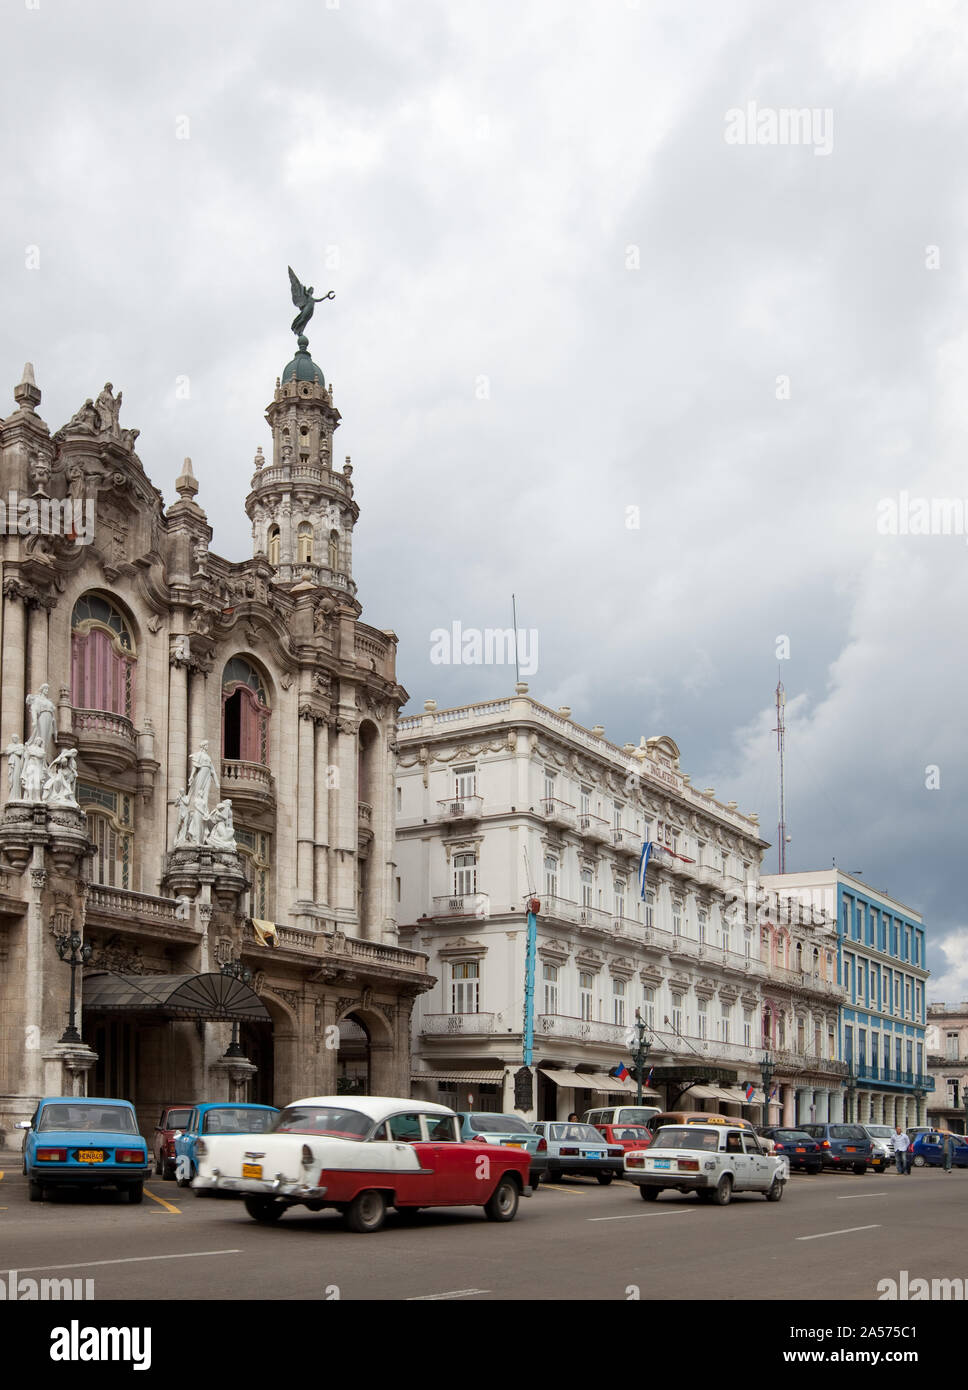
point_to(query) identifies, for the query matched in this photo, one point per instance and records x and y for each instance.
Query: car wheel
(168, 1172)
(136, 1192)
(264, 1209)
(775, 1193)
(724, 1190)
(503, 1202)
(919, 1161)
(366, 1212)
(649, 1194)
(159, 1168)
(35, 1191)
(860, 1169)
(604, 1178)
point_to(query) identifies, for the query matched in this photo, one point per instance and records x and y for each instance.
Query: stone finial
(521, 688)
(599, 730)
(347, 468)
(686, 778)
(27, 393)
(754, 816)
(709, 791)
(731, 805)
(565, 711)
(430, 706)
(260, 458)
(186, 484)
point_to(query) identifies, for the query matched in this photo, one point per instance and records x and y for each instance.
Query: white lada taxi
(715, 1161)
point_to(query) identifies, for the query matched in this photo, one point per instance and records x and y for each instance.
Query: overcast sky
(564, 289)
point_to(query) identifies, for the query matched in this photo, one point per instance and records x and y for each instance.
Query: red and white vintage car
(360, 1155)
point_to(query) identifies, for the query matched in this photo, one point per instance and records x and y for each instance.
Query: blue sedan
(217, 1117)
(84, 1141)
(927, 1151)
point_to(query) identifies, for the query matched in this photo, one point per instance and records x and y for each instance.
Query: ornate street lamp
(640, 1054)
(767, 1073)
(237, 971)
(70, 949)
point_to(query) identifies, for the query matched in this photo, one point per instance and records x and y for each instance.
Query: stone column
(38, 620)
(197, 724)
(321, 814)
(13, 692)
(35, 981)
(177, 770)
(305, 792)
(345, 836)
(788, 1096)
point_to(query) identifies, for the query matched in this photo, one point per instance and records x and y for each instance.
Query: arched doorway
(257, 1045)
(353, 1058)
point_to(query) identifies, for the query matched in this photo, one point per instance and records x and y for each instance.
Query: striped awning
(209, 996)
(468, 1078)
(580, 1080)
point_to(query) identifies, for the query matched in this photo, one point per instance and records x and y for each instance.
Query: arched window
(110, 827)
(273, 545)
(334, 550)
(245, 713)
(305, 543)
(102, 657)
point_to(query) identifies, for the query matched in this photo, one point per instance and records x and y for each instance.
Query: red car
(172, 1118)
(626, 1137)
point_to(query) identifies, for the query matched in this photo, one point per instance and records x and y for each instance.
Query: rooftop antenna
(780, 732)
(514, 616)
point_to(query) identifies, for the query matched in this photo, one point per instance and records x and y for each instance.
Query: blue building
(881, 967)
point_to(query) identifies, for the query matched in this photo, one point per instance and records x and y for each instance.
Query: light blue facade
(881, 964)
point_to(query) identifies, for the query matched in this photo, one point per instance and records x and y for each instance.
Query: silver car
(578, 1149)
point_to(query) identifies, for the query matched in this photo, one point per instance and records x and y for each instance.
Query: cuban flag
(750, 1092)
(621, 1071)
(643, 865)
(773, 1093)
(648, 1079)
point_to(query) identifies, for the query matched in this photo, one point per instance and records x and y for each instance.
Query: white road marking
(454, 1293)
(855, 1195)
(848, 1230)
(638, 1215)
(129, 1260)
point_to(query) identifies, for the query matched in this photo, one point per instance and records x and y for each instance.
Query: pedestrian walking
(948, 1150)
(901, 1145)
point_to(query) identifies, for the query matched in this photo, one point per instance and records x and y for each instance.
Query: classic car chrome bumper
(279, 1186)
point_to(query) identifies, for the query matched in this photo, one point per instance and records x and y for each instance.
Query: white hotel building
(499, 800)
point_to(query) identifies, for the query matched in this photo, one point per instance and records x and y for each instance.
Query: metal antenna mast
(780, 732)
(514, 618)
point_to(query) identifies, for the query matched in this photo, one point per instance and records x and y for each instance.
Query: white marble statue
(61, 780)
(43, 721)
(15, 759)
(33, 768)
(221, 834)
(202, 778)
(181, 828)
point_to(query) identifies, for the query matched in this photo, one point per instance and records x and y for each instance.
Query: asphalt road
(832, 1237)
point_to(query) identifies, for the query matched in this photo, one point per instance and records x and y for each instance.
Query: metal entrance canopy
(212, 997)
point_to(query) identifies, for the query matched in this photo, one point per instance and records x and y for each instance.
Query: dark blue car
(217, 1117)
(84, 1141)
(927, 1151)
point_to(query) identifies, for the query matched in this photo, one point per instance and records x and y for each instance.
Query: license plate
(596, 1154)
(662, 1163)
(850, 1150)
(801, 1151)
(252, 1170)
(514, 1146)
(90, 1155)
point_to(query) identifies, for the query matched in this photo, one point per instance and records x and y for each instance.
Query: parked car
(577, 1150)
(626, 1137)
(695, 1117)
(621, 1115)
(163, 1144)
(84, 1141)
(360, 1155)
(843, 1145)
(927, 1150)
(510, 1131)
(881, 1139)
(802, 1151)
(216, 1117)
(715, 1161)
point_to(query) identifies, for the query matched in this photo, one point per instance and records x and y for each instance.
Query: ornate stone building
(153, 646)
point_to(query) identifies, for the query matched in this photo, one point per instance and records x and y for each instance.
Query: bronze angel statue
(302, 297)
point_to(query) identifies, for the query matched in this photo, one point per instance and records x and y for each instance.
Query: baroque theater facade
(257, 913)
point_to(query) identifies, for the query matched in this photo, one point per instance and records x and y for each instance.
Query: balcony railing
(463, 905)
(102, 722)
(893, 1076)
(582, 1030)
(595, 827)
(138, 908)
(245, 779)
(626, 841)
(364, 815)
(462, 1025)
(460, 808)
(558, 812)
(324, 943)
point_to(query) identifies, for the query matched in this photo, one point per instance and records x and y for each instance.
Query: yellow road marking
(553, 1187)
(161, 1202)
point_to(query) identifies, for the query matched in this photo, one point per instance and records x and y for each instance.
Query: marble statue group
(33, 772)
(196, 824)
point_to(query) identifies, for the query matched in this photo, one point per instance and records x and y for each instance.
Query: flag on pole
(773, 1093)
(648, 1079)
(750, 1092)
(643, 865)
(621, 1071)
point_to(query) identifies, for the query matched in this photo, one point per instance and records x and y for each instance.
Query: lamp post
(237, 971)
(767, 1073)
(964, 1101)
(640, 1054)
(71, 950)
